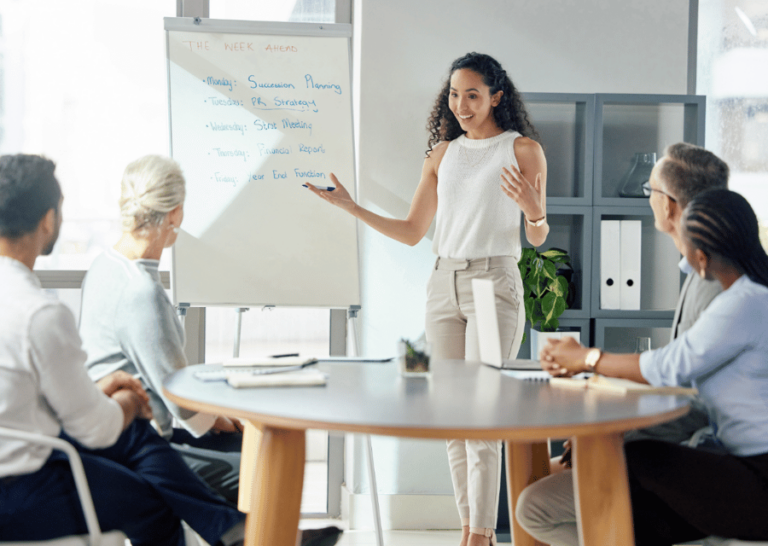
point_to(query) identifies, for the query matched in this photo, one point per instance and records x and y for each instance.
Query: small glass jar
(631, 184)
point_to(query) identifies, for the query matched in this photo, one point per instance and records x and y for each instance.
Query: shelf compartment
(620, 335)
(570, 228)
(629, 124)
(565, 123)
(660, 278)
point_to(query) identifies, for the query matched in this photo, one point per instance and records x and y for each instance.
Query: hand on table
(527, 196)
(563, 357)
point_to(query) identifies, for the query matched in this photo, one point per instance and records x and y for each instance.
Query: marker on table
(326, 188)
(286, 355)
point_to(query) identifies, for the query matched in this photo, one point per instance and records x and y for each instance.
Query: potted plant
(547, 290)
(414, 358)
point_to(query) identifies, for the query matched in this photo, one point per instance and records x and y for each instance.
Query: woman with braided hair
(680, 493)
(483, 170)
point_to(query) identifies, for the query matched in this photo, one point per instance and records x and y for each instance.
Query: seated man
(139, 484)
(547, 508)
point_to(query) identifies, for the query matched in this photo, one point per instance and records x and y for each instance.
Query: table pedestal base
(526, 463)
(601, 488)
(277, 484)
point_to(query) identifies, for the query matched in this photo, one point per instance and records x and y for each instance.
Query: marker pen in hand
(326, 188)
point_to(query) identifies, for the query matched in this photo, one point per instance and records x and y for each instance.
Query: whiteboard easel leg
(238, 329)
(352, 351)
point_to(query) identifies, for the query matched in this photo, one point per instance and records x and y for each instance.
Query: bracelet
(536, 223)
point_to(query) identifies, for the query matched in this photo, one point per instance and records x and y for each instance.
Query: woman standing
(482, 170)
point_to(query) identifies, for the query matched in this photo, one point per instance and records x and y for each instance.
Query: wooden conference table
(461, 400)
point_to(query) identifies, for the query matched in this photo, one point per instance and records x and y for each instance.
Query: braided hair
(510, 114)
(721, 223)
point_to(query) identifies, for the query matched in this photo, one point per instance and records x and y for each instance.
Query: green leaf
(559, 286)
(548, 305)
(559, 307)
(549, 269)
(523, 340)
(550, 325)
(554, 252)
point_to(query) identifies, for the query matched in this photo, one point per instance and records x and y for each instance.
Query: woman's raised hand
(527, 196)
(339, 197)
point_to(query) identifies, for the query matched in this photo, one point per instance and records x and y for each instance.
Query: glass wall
(733, 73)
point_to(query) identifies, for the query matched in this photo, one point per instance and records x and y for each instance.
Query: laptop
(488, 337)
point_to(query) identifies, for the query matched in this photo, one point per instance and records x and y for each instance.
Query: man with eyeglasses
(547, 508)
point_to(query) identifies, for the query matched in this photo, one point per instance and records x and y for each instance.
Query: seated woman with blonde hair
(128, 323)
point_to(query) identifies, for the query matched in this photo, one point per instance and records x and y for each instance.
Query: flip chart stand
(352, 351)
(238, 329)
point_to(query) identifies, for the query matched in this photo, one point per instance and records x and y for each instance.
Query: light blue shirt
(725, 356)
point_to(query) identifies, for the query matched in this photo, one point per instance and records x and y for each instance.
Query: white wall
(403, 49)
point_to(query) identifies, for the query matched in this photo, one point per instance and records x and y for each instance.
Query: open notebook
(488, 337)
(617, 385)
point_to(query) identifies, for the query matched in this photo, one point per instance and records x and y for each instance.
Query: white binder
(610, 264)
(631, 231)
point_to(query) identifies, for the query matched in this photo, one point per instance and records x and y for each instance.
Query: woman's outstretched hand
(339, 197)
(527, 196)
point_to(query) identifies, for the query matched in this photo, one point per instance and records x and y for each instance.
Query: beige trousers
(451, 328)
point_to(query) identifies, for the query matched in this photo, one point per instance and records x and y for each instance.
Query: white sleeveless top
(475, 218)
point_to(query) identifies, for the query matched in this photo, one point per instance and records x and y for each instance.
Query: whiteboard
(257, 110)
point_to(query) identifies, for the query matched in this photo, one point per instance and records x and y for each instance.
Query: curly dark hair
(509, 114)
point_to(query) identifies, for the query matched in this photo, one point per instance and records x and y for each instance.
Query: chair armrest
(76, 464)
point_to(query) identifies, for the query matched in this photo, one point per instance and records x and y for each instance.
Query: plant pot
(413, 363)
(539, 339)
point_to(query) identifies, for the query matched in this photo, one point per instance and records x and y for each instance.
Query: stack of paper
(302, 378)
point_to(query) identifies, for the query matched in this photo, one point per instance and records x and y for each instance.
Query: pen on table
(326, 188)
(286, 355)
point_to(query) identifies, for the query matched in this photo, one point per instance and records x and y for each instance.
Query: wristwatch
(536, 223)
(590, 361)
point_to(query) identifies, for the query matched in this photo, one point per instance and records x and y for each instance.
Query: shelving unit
(589, 141)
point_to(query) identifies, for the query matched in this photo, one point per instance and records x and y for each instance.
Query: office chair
(94, 537)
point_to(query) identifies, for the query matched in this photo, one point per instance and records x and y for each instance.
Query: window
(86, 86)
(305, 11)
(732, 61)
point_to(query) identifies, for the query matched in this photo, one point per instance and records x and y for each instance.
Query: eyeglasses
(648, 190)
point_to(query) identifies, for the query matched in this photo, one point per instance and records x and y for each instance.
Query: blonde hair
(152, 186)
